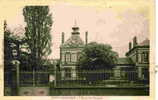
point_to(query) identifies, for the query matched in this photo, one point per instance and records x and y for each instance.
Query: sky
(108, 25)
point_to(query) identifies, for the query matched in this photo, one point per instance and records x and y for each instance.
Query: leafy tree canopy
(38, 26)
(9, 40)
(97, 56)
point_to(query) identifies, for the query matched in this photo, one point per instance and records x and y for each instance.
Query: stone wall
(34, 91)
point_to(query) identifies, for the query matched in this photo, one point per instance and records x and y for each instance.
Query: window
(67, 72)
(145, 57)
(73, 57)
(67, 57)
(140, 57)
(78, 55)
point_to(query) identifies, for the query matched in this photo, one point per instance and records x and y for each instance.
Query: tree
(96, 57)
(38, 26)
(10, 44)
(7, 45)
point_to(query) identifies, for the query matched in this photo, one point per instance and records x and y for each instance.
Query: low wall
(99, 92)
(34, 91)
(46, 91)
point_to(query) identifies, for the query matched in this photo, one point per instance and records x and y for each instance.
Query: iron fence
(34, 78)
(102, 78)
(91, 78)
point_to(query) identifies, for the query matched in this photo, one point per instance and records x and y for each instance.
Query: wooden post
(55, 73)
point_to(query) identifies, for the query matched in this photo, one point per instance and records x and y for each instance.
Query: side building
(135, 66)
(139, 54)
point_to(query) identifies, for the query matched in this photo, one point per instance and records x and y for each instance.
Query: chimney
(130, 45)
(134, 41)
(62, 37)
(86, 37)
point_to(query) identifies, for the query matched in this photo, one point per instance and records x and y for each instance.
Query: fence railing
(102, 78)
(34, 78)
(27, 78)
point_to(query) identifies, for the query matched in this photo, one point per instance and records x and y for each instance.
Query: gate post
(16, 64)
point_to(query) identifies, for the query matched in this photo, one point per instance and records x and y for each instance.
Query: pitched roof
(145, 42)
(73, 42)
(122, 61)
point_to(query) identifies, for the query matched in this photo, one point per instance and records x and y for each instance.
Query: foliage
(96, 57)
(38, 26)
(7, 46)
(14, 42)
(10, 41)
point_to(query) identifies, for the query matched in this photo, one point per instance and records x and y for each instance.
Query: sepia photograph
(76, 50)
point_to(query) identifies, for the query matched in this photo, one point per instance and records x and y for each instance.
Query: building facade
(69, 54)
(135, 63)
(139, 54)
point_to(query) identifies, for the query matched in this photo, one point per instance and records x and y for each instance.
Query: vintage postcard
(77, 49)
